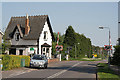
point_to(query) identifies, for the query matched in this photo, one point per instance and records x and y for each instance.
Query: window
(43, 49)
(47, 51)
(43, 53)
(12, 51)
(20, 52)
(17, 37)
(38, 57)
(45, 35)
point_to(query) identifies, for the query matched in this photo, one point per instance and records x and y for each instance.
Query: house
(30, 35)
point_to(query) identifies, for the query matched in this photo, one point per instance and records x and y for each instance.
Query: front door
(45, 51)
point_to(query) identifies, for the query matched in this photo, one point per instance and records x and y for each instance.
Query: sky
(84, 17)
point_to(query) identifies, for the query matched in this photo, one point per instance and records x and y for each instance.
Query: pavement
(63, 69)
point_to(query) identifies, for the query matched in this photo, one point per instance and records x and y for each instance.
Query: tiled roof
(36, 24)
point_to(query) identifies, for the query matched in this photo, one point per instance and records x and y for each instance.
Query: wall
(53, 60)
(26, 51)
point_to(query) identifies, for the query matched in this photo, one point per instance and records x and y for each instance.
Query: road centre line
(63, 71)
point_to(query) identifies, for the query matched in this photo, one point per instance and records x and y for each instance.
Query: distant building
(30, 35)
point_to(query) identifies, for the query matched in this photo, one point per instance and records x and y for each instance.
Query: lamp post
(75, 50)
(109, 44)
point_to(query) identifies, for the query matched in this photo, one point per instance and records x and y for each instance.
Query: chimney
(27, 27)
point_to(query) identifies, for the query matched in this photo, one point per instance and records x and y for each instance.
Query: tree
(70, 36)
(116, 57)
(70, 39)
(6, 44)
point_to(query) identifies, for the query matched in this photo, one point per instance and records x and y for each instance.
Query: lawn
(105, 73)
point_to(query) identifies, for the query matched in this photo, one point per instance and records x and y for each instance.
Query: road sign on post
(107, 47)
(59, 47)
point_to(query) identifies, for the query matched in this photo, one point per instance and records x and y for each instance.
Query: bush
(14, 61)
(116, 57)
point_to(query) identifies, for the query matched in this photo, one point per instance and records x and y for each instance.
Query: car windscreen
(38, 57)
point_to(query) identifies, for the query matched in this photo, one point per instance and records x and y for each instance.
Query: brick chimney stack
(27, 27)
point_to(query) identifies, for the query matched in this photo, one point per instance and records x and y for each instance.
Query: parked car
(39, 61)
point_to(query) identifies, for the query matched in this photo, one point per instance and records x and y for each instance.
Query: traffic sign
(59, 47)
(107, 47)
(66, 51)
(69, 48)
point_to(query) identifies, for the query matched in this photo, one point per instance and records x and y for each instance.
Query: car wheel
(30, 66)
(45, 66)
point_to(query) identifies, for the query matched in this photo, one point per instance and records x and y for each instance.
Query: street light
(75, 50)
(101, 27)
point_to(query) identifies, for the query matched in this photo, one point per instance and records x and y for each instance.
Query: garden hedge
(14, 61)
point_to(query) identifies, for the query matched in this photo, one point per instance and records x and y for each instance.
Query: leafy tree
(6, 44)
(116, 57)
(70, 36)
(70, 39)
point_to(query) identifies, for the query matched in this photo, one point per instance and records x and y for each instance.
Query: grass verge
(105, 73)
(85, 59)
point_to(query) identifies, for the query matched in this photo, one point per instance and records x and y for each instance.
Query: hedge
(14, 61)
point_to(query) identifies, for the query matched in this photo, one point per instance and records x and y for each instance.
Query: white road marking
(18, 73)
(63, 71)
(15, 74)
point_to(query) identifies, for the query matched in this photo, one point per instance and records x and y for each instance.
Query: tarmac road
(62, 70)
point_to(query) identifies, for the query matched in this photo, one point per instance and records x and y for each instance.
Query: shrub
(116, 57)
(14, 61)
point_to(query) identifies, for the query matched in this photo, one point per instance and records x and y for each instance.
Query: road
(64, 69)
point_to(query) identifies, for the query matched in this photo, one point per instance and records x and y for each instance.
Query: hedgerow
(14, 61)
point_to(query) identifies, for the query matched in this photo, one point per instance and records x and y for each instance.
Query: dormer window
(45, 35)
(17, 36)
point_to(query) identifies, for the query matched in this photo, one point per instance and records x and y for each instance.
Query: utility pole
(75, 51)
(109, 44)
(109, 49)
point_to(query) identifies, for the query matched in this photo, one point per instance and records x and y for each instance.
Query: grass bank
(105, 73)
